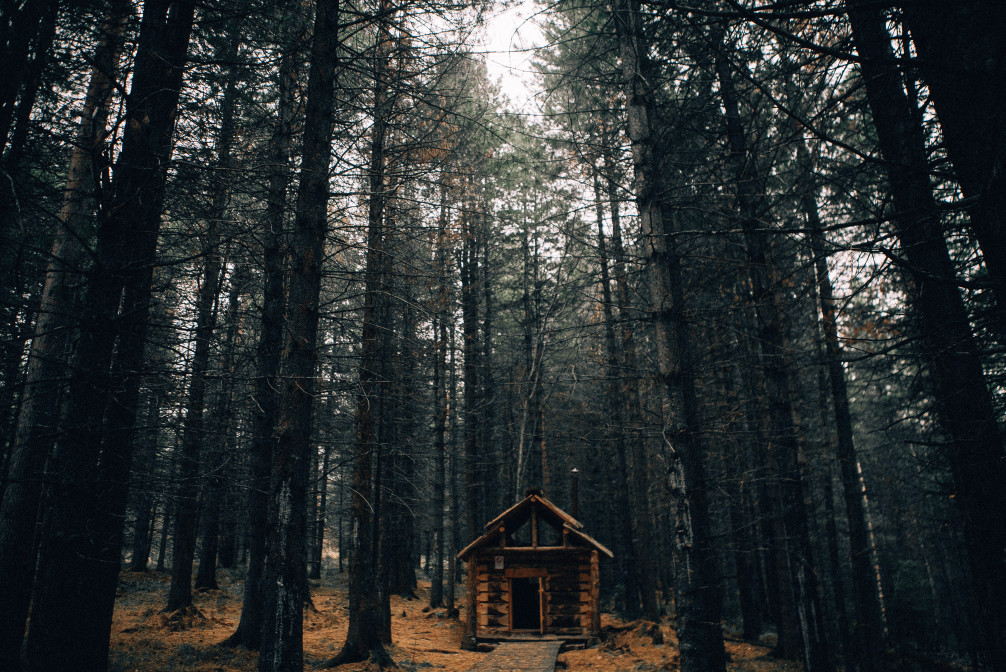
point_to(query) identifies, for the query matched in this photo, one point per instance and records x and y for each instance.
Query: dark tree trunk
(454, 519)
(963, 404)
(441, 317)
(37, 429)
(270, 345)
(162, 545)
(144, 509)
(284, 578)
(79, 558)
(764, 277)
(28, 37)
(469, 268)
(696, 592)
(403, 575)
(215, 457)
(616, 426)
(215, 487)
(318, 540)
(962, 58)
(744, 541)
(363, 638)
(868, 628)
(193, 434)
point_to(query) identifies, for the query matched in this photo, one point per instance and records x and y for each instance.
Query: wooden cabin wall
(571, 590)
(493, 597)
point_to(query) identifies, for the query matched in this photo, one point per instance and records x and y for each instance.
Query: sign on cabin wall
(498, 562)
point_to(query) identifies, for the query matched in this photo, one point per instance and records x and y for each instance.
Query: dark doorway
(524, 601)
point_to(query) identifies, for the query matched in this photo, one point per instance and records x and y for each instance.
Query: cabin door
(527, 601)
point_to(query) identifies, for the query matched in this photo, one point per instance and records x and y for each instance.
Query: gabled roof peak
(534, 498)
(534, 503)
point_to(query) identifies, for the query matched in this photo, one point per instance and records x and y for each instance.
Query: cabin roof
(518, 515)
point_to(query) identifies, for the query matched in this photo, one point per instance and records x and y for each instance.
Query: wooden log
(471, 624)
(525, 572)
(595, 594)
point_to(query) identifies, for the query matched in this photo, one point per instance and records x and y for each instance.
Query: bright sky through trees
(512, 35)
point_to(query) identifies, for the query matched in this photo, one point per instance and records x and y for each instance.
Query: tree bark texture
(270, 345)
(469, 268)
(441, 313)
(193, 432)
(698, 609)
(79, 558)
(363, 637)
(868, 627)
(962, 58)
(629, 556)
(284, 578)
(37, 424)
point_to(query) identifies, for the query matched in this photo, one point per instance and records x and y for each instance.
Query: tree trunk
(284, 578)
(868, 628)
(616, 426)
(79, 558)
(319, 530)
(363, 638)
(698, 609)
(764, 277)
(193, 435)
(269, 351)
(962, 57)
(144, 508)
(215, 487)
(963, 404)
(470, 328)
(28, 37)
(36, 430)
(441, 316)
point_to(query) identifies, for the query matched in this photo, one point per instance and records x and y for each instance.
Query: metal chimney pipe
(575, 493)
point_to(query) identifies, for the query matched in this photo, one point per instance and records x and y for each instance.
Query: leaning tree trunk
(193, 430)
(868, 631)
(37, 422)
(221, 444)
(79, 556)
(468, 267)
(963, 403)
(193, 436)
(962, 58)
(698, 609)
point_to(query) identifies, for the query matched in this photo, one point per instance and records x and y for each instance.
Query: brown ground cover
(144, 639)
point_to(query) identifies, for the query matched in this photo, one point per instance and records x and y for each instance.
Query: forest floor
(145, 639)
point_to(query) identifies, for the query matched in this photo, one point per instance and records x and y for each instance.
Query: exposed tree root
(378, 659)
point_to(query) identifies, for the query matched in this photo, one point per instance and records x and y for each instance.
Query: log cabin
(533, 575)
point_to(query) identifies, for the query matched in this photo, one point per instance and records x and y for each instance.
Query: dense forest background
(289, 287)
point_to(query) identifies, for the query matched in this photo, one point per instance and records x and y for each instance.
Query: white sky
(510, 40)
